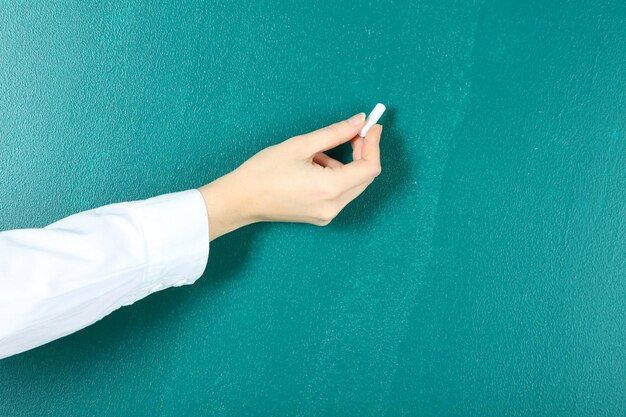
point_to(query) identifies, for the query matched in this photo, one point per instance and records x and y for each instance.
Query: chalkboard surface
(484, 272)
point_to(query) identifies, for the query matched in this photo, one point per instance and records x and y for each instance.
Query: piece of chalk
(371, 120)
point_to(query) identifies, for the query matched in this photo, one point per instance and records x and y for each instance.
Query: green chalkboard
(483, 273)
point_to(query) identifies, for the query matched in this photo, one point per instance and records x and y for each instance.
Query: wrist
(226, 205)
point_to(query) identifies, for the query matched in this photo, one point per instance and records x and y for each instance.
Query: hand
(295, 181)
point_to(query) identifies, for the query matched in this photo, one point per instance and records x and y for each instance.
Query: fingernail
(357, 119)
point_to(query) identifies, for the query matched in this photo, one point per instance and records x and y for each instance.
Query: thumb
(332, 136)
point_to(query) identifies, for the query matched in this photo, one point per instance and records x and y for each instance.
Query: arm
(59, 279)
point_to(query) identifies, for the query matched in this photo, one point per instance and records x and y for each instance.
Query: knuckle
(327, 213)
(322, 223)
(376, 170)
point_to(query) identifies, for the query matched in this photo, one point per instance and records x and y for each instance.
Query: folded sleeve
(63, 277)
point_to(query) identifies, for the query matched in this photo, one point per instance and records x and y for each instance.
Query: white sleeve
(59, 279)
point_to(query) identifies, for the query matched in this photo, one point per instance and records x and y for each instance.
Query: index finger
(330, 136)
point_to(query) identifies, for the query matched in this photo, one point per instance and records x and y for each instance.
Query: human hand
(295, 181)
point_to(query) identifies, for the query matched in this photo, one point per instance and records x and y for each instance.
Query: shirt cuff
(176, 231)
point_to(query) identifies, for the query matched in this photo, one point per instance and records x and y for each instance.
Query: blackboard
(483, 273)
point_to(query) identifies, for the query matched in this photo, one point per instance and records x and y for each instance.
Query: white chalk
(371, 120)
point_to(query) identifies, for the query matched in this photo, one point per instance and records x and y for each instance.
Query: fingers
(326, 161)
(344, 183)
(367, 168)
(371, 145)
(330, 136)
(357, 147)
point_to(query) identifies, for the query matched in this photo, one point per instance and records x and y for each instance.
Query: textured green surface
(484, 273)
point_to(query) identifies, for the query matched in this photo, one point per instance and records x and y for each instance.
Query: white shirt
(59, 279)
